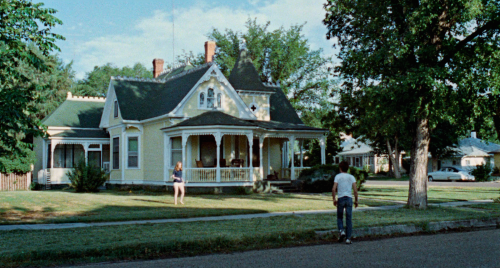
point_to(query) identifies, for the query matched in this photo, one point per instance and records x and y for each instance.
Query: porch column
(261, 146)
(250, 154)
(322, 142)
(52, 148)
(86, 149)
(292, 169)
(218, 137)
(184, 142)
(301, 142)
(166, 156)
(268, 155)
(123, 152)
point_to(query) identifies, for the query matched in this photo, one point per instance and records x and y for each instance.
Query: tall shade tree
(21, 23)
(96, 82)
(282, 55)
(432, 58)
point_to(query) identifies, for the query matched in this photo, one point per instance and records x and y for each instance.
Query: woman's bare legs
(176, 192)
(181, 187)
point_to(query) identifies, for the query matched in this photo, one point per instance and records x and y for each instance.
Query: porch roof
(80, 133)
(217, 118)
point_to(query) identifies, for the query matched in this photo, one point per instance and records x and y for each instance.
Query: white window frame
(116, 108)
(112, 152)
(217, 91)
(138, 150)
(172, 165)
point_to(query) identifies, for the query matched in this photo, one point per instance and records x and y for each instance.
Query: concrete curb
(417, 228)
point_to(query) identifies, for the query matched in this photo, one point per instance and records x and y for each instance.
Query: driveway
(468, 249)
(495, 184)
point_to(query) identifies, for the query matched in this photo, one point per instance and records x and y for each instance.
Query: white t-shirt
(345, 182)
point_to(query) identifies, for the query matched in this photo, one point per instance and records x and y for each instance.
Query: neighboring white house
(361, 155)
(469, 153)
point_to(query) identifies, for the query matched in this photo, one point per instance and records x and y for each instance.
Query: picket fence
(15, 181)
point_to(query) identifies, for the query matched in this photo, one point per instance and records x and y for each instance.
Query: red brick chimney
(157, 67)
(209, 51)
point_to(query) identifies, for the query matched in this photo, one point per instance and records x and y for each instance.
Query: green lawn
(97, 244)
(435, 194)
(67, 206)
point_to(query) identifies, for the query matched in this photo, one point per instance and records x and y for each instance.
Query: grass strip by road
(67, 206)
(97, 244)
(434, 194)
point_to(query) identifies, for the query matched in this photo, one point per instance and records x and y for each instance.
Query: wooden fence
(15, 181)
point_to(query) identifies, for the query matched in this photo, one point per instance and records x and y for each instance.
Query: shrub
(34, 186)
(496, 171)
(86, 177)
(482, 172)
(319, 179)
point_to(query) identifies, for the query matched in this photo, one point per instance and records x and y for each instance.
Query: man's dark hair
(344, 166)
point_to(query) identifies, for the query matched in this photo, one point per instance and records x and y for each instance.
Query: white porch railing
(201, 174)
(234, 174)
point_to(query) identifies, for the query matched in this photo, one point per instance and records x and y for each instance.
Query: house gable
(231, 101)
(108, 118)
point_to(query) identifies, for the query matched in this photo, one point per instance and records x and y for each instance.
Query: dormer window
(115, 109)
(210, 98)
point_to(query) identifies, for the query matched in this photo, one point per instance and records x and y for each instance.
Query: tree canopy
(425, 61)
(21, 23)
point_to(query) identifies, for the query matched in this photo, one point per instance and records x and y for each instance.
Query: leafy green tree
(96, 82)
(432, 59)
(282, 55)
(21, 23)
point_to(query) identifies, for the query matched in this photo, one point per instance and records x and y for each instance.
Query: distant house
(227, 131)
(361, 155)
(470, 152)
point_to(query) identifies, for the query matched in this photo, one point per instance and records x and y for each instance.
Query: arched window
(210, 98)
(219, 100)
(202, 99)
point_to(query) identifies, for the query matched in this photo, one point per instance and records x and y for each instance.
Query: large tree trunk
(394, 158)
(417, 195)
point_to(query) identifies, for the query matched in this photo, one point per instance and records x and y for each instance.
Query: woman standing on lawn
(178, 182)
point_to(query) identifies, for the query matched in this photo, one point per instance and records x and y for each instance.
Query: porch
(245, 155)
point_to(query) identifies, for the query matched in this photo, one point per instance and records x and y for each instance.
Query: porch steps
(292, 187)
(47, 183)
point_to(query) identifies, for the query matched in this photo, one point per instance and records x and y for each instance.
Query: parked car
(450, 174)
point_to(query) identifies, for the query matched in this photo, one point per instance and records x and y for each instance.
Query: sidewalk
(215, 218)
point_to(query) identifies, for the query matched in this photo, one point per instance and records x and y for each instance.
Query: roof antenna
(173, 31)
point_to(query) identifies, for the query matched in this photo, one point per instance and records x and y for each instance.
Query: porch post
(261, 146)
(218, 138)
(86, 149)
(166, 156)
(52, 148)
(292, 169)
(301, 142)
(184, 142)
(268, 155)
(322, 143)
(250, 154)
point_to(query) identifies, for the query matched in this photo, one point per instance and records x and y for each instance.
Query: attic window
(219, 100)
(202, 99)
(116, 109)
(210, 98)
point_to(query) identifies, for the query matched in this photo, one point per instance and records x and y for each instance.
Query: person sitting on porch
(178, 182)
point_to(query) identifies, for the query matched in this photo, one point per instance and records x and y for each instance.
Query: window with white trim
(115, 107)
(176, 151)
(133, 152)
(219, 100)
(202, 100)
(116, 153)
(210, 98)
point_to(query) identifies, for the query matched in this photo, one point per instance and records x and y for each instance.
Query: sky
(124, 32)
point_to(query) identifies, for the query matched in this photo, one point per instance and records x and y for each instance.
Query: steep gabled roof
(139, 100)
(176, 71)
(244, 76)
(76, 113)
(281, 109)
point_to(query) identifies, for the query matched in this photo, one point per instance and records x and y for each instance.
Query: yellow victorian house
(228, 132)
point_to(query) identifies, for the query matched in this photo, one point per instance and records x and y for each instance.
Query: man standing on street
(344, 184)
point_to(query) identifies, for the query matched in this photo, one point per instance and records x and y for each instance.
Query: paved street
(468, 249)
(437, 183)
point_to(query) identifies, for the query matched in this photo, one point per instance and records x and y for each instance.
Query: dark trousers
(345, 202)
